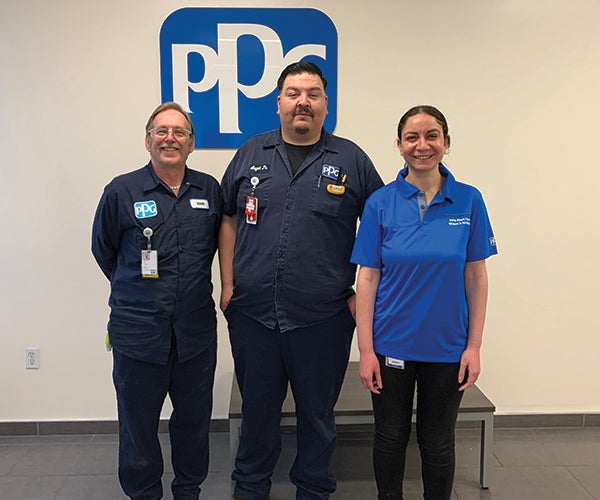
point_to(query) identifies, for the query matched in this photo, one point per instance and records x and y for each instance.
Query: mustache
(302, 108)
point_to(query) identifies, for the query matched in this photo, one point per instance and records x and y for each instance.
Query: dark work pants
(314, 361)
(438, 400)
(141, 391)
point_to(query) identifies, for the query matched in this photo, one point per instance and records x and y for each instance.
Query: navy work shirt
(146, 312)
(292, 268)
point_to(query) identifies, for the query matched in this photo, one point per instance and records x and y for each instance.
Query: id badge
(394, 363)
(149, 264)
(251, 209)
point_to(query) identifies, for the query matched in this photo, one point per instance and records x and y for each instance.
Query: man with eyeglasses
(154, 236)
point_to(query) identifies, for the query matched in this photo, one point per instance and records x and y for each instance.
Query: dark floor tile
(219, 453)
(11, 456)
(216, 487)
(547, 447)
(30, 488)
(66, 459)
(95, 487)
(529, 464)
(468, 449)
(589, 477)
(523, 483)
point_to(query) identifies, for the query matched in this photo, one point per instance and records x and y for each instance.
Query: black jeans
(438, 399)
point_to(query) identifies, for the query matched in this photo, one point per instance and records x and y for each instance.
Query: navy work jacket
(146, 312)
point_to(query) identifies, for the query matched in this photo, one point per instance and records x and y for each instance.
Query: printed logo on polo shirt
(459, 221)
(145, 209)
(222, 66)
(259, 169)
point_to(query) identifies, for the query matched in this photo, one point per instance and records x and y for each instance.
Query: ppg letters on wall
(222, 66)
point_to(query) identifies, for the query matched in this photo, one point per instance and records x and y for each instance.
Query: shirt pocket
(260, 191)
(324, 202)
(201, 226)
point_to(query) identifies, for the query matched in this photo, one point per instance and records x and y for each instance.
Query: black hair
(298, 68)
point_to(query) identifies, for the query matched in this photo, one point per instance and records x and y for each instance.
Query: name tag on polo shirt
(394, 363)
(202, 204)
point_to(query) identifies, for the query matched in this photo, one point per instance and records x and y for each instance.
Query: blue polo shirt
(421, 308)
(145, 313)
(292, 268)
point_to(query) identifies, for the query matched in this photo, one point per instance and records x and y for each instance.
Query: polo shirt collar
(407, 190)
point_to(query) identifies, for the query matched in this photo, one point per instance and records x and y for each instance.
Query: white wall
(517, 79)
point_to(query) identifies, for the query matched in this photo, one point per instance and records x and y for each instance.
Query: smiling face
(169, 151)
(422, 143)
(302, 108)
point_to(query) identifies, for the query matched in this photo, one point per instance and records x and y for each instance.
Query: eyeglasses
(163, 132)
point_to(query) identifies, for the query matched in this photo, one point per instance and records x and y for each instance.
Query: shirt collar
(152, 181)
(407, 190)
(326, 141)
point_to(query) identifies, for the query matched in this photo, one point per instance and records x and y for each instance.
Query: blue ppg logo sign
(222, 66)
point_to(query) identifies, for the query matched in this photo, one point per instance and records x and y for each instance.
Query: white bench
(354, 407)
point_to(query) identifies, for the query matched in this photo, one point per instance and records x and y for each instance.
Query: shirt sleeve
(482, 243)
(105, 232)
(372, 180)
(229, 186)
(367, 246)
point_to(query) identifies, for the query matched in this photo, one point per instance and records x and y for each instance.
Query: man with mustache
(292, 198)
(154, 237)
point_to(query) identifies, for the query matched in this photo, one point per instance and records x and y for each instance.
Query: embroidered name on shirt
(199, 203)
(459, 221)
(145, 209)
(259, 168)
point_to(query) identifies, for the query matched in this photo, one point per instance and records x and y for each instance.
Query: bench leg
(487, 445)
(234, 441)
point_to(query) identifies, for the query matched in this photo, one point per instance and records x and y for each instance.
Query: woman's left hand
(470, 367)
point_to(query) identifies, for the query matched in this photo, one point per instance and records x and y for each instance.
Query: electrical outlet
(32, 358)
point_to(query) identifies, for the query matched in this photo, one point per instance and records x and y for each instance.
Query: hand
(370, 372)
(470, 368)
(352, 305)
(226, 294)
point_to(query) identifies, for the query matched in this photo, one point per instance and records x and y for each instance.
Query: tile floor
(529, 464)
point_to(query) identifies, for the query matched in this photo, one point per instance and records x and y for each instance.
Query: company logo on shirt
(222, 65)
(145, 209)
(330, 172)
(459, 221)
(492, 241)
